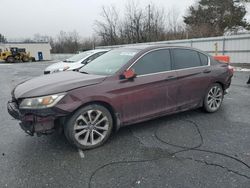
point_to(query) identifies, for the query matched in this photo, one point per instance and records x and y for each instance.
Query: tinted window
(204, 59)
(184, 58)
(153, 62)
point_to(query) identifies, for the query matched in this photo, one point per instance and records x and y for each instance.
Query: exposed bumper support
(13, 110)
(32, 123)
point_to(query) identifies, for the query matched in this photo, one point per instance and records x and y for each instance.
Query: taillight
(230, 69)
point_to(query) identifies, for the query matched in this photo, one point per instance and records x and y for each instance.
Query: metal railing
(236, 46)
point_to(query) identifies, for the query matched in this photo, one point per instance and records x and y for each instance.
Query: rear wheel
(213, 98)
(89, 127)
(25, 59)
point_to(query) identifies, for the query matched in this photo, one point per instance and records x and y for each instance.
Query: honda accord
(122, 87)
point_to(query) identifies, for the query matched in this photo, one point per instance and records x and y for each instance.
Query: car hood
(61, 65)
(55, 83)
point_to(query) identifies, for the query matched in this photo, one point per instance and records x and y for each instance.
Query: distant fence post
(223, 45)
(191, 43)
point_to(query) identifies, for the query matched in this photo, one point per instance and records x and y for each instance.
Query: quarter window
(204, 59)
(153, 62)
(185, 58)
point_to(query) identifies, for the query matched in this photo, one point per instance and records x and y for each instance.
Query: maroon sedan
(122, 87)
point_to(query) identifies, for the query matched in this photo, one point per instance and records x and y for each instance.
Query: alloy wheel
(214, 98)
(91, 127)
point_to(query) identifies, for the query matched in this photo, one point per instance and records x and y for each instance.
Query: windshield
(109, 63)
(78, 57)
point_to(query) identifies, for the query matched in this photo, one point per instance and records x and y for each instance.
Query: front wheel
(89, 127)
(10, 59)
(213, 98)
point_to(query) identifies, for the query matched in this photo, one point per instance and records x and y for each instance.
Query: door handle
(171, 78)
(206, 71)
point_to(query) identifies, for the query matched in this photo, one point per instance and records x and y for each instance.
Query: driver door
(152, 92)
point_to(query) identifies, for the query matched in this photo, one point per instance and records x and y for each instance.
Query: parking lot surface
(191, 149)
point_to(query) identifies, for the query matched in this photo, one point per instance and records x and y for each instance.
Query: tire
(10, 59)
(248, 82)
(213, 99)
(25, 59)
(89, 127)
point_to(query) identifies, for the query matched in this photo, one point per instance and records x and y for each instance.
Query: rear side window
(153, 62)
(185, 58)
(204, 59)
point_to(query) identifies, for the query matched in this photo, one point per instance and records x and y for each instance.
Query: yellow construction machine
(15, 54)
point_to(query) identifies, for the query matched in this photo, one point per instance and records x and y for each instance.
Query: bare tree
(108, 28)
(66, 42)
(175, 28)
(2, 38)
(139, 24)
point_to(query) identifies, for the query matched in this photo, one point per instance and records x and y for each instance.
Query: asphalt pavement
(191, 149)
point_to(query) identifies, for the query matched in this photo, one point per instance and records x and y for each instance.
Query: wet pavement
(191, 149)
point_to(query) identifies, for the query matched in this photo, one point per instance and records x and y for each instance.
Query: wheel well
(222, 85)
(9, 56)
(116, 120)
(218, 82)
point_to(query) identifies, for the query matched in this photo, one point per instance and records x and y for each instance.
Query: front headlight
(62, 69)
(41, 102)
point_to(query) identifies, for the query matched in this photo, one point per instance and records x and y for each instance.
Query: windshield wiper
(67, 61)
(84, 72)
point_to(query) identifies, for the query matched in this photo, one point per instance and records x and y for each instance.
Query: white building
(38, 50)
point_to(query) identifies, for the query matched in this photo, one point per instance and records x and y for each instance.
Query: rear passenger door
(193, 74)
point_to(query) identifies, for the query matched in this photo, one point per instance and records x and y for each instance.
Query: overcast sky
(24, 18)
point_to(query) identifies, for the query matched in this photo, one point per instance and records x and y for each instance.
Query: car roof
(149, 47)
(97, 50)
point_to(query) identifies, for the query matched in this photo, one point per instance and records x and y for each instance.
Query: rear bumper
(37, 121)
(228, 82)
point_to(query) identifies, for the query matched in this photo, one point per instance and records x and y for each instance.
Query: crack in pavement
(183, 149)
(218, 165)
(122, 162)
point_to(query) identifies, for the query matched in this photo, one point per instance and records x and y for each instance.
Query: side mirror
(128, 74)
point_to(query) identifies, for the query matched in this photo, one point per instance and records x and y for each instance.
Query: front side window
(153, 62)
(185, 58)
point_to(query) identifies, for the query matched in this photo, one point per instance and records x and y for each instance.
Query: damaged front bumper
(41, 122)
